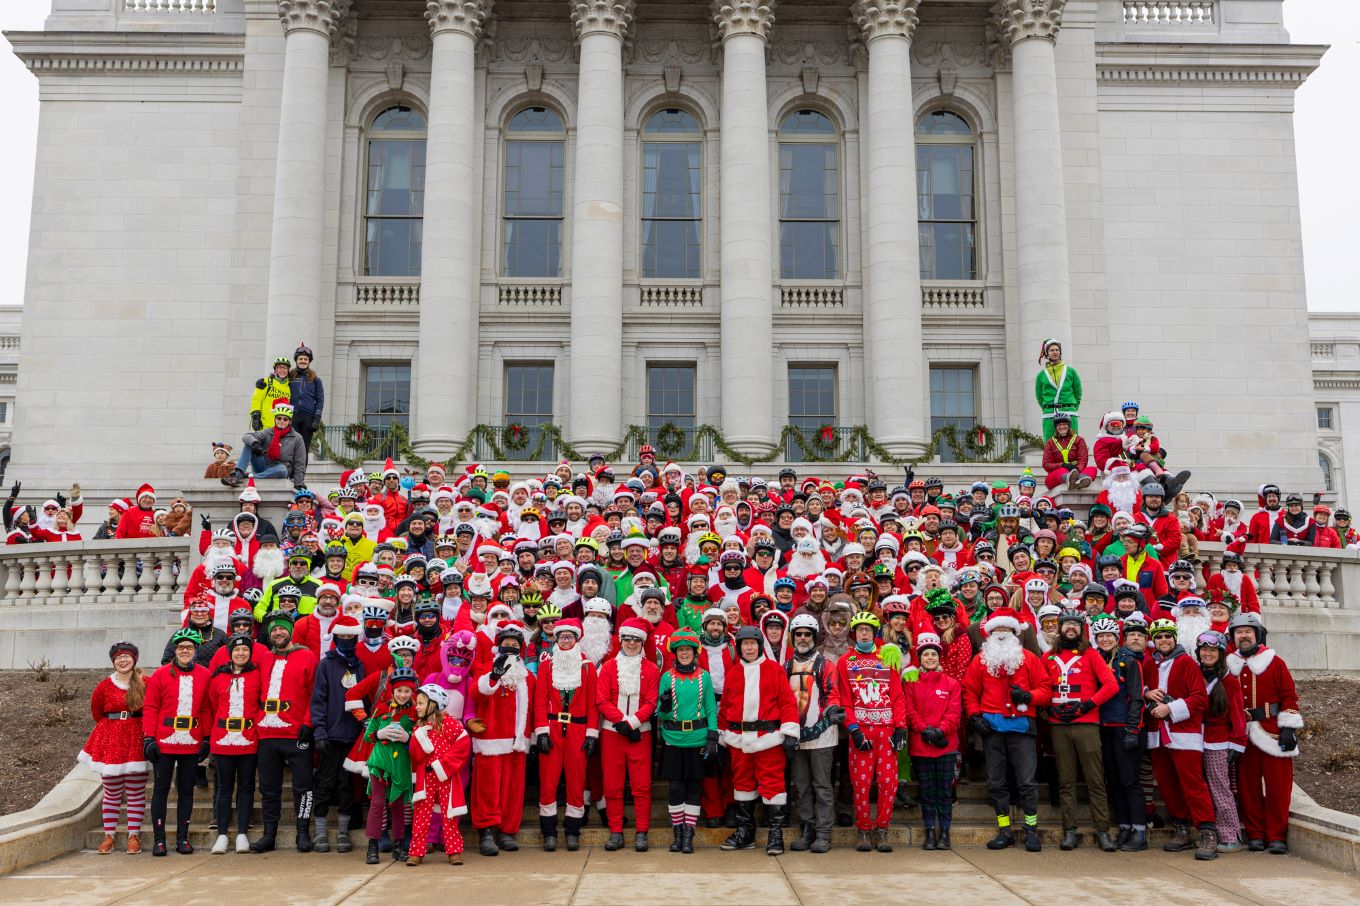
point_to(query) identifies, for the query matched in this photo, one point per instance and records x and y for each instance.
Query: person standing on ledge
(1057, 386)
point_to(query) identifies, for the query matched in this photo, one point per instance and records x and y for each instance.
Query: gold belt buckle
(273, 705)
(183, 723)
(564, 717)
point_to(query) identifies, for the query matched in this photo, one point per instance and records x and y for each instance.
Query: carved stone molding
(468, 16)
(322, 16)
(879, 18)
(672, 51)
(806, 50)
(1017, 20)
(412, 48)
(933, 52)
(612, 17)
(524, 49)
(743, 17)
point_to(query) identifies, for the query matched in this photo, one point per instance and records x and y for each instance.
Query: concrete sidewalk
(592, 876)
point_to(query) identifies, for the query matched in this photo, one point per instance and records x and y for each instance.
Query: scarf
(275, 444)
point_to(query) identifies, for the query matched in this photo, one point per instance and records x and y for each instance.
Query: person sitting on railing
(220, 467)
(269, 391)
(140, 520)
(64, 528)
(1065, 456)
(274, 452)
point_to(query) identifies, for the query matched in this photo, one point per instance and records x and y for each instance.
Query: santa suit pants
(1264, 785)
(759, 774)
(564, 761)
(498, 791)
(717, 790)
(436, 793)
(876, 766)
(1180, 780)
(620, 757)
(1059, 476)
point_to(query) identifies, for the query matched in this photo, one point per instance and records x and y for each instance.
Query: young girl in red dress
(114, 749)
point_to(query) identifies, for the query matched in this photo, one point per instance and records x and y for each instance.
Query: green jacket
(689, 614)
(1065, 395)
(390, 762)
(692, 700)
(269, 600)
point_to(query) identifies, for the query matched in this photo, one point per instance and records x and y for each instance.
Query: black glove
(860, 742)
(1288, 739)
(149, 748)
(14, 490)
(60, 498)
(206, 521)
(980, 725)
(635, 734)
(256, 423)
(500, 665)
(1088, 706)
(323, 746)
(899, 739)
(835, 714)
(807, 734)
(666, 701)
(590, 745)
(257, 448)
(304, 737)
(711, 746)
(1233, 755)
(790, 746)
(934, 736)
(1063, 713)
(1131, 741)
(543, 743)
(1020, 696)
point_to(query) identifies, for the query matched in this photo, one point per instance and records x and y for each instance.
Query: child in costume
(389, 762)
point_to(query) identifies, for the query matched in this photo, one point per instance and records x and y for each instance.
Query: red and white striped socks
(134, 787)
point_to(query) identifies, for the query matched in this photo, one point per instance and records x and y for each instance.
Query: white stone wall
(1335, 350)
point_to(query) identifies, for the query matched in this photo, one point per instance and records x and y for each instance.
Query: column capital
(882, 18)
(1016, 20)
(610, 17)
(321, 16)
(743, 17)
(467, 16)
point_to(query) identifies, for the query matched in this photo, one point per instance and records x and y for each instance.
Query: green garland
(857, 446)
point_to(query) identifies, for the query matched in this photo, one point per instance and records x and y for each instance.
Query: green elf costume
(1057, 386)
(687, 708)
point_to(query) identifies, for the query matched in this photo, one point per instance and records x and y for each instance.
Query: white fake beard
(514, 676)
(595, 640)
(216, 557)
(488, 528)
(630, 673)
(268, 563)
(692, 548)
(566, 668)
(805, 567)
(374, 525)
(1002, 654)
(1232, 580)
(1123, 496)
(726, 527)
(1188, 630)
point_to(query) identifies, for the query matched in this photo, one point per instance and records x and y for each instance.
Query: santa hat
(345, 625)
(249, 494)
(1043, 350)
(568, 625)
(145, 490)
(389, 469)
(635, 629)
(329, 588)
(1003, 618)
(438, 467)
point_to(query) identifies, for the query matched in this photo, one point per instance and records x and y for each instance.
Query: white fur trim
(777, 799)
(1180, 711)
(632, 721)
(441, 772)
(1267, 743)
(484, 684)
(493, 746)
(422, 736)
(355, 705)
(593, 733)
(419, 794)
(548, 810)
(539, 730)
(112, 770)
(745, 795)
(1291, 719)
(995, 622)
(790, 729)
(356, 767)
(455, 811)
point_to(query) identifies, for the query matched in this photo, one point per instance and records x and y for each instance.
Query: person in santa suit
(566, 732)
(372, 650)
(1294, 527)
(1229, 528)
(173, 725)
(627, 696)
(1175, 702)
(430, 634)
(1165, 525)
(114, 747)
(241, 621)
(1262, 524)
(285, 731)
(813, 679)
(314, 630)
(233, 711)
(1265, 774)
(1003, 689)
(1225, 734)
(503, 697)
(758, 720)
(440, 751)
(334, 730)
(1231, 579)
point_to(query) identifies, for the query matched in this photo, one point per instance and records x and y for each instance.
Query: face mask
(345, 644)
(373, 632)
(508, 650)
(864, 647)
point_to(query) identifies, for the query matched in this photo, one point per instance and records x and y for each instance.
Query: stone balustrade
(1168, 12)
(147, 571)
(1296, 577)
(200, 7)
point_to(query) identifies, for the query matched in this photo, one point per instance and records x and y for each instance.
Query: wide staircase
(974, 823)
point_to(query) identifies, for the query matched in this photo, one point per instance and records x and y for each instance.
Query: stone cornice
(80, 53)
(1287, 65)
(611, 17)
(467, 16)
(880, 18)
(743, 17)
(322, 16)
(1020, 19)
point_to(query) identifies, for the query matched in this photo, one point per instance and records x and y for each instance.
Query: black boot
(865, 845)
(158, 835)
(806, 835)
(1033, 842)
(487, 842)
(903, 798)
(821, 842)
(506, 842)
(730, 818)
(182, 844)
(1278, 848)
(1208, 844)
(640, 842)
(548, 825)
(1105, 843)
(687, 839)
(881, 840)
(1136, 843)
(1180, 840)
(1003, 839)
(304, 835)
(235, 479)
(1174, 484)
(677, 832)
(266, 842)
(942, 841)
(1125, 834)
(774, 843)
(929, 843)
(1256, 845)
(372, 857)
(573, 830)
(399, 849)
(385, 842)
(744, 837)
(1070, 841)
(614, 843)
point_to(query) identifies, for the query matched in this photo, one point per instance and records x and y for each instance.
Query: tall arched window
(531, 208)
(945, 181)
(809, 197)
(1325, 464)
(672, 194)
(395, 193)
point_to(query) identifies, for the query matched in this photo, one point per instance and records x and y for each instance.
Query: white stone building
(1335, 348)
(600, 214)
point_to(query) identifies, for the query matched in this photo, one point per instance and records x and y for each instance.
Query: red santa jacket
(1180, 678)
(1108, 447)
(1166, 531)
(1229, 729)
(506, 710)
(1235, 537)
(442, 752)
(395, 509)
(259, 655)
(1269, 697)
(312, 630)
(375, 660)
(137, 523)
(1084, 677)
(758, 709)
(53, 536)
(1262, 524)
(632, 710)
(549, 711)
(233, 710)
(1218, 586)
(987, 692)
(288, 680)
(175, 713)
(934, 700)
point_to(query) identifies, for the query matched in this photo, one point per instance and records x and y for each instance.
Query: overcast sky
(1326, 129)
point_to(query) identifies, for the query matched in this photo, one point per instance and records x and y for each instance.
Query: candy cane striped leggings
(134, 787)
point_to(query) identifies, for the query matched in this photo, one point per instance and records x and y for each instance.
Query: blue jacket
(330, 720)
(1126, 708)
(307, 397)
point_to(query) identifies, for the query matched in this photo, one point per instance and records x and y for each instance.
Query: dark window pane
(670, 395)
(387, 395)
(528, 394)
(808, 250)
(952, 401)
(533, 248)
(945, 209)
(535, 119)
(399, 119)
(807, 122)
(672, 122)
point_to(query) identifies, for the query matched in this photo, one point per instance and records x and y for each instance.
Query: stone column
(892, 299)
(745, 228)
(294, 310)
(446, 372)
(597, 227)
(1030, 28)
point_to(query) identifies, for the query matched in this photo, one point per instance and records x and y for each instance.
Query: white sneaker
(242, 843)
(220, 846)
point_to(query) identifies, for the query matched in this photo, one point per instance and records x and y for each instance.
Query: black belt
(1265, 712)
(276, 705)
(235, 724)
(684, 726)
(122, 715)
(756, 725)
(565, 717)
(181, 723)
